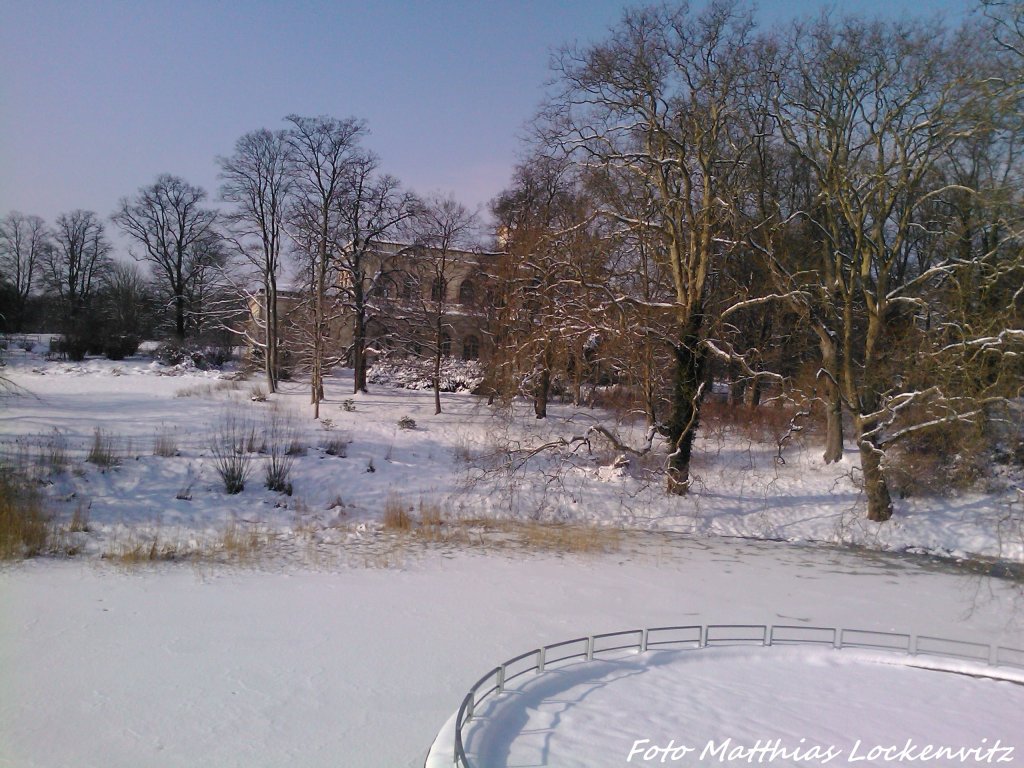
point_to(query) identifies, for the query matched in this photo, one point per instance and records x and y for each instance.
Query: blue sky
(98, 98)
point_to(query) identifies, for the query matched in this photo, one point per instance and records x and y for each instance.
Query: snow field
(453, 462)
(180, 666)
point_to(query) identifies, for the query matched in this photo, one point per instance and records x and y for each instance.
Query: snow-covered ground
(181, 666)
(452, 461)
(341, 643)
(778, 705)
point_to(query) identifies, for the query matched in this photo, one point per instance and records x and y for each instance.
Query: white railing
(698, 636)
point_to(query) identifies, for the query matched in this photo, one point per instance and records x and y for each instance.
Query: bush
(70, 347)
(407, 422)
(336, 446)
(202, 357)
(456, 375)
(281, 437)
(230, 459)
(758, 423)
(938, 461)
(170, 353)
(120, 347)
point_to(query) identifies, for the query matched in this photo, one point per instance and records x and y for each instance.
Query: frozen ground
(304, 656)
(182, 666)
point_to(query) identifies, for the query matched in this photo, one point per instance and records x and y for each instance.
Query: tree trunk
(686, 399)
(359, 350)
(752, 395)
(541, 390)
(875, 487)
(179, 317)
(437, 381)
(833, 401)
(270, 336)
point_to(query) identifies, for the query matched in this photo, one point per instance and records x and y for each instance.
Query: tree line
(829, 212)
(308, 199)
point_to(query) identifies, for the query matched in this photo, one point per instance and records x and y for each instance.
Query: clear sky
(97, 98)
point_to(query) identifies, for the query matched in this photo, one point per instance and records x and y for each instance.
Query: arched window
(470, 348)
(406, 286)
(437, 289)
(446, 345)
(467, 293)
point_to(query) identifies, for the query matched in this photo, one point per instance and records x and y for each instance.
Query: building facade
(417, 299)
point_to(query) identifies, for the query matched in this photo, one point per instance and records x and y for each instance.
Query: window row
(408, 287)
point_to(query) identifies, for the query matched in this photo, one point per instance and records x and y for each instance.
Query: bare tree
(1007, 17)
(874, 111)
(74, 267)
(545, 316)
(24, 241)
(370, 209)
(323, 150)
(662, 101)
(127, 302)
(258, 179)
(441, 232)
(177, 236)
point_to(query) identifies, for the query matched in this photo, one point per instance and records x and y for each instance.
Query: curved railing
(708, 635)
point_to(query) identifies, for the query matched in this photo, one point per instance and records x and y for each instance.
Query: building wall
(400, 287)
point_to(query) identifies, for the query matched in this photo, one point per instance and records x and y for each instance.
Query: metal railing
(696, 636)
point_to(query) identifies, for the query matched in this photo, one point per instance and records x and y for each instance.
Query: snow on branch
(518, 457)
(740, 305)
(734, 357)
(989, 343)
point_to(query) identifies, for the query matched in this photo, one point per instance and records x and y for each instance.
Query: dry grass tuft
(135, 551)
(102, 452)
(280, 431)
(561, 537)
(231, 460)
(52, 458)
(241, 542)
(209, 390)
(295, 448)
(430, 513)
(432, 527)
(79, 519)
(165, 444)
(336, 445)
(25, 525)
(397, 514)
